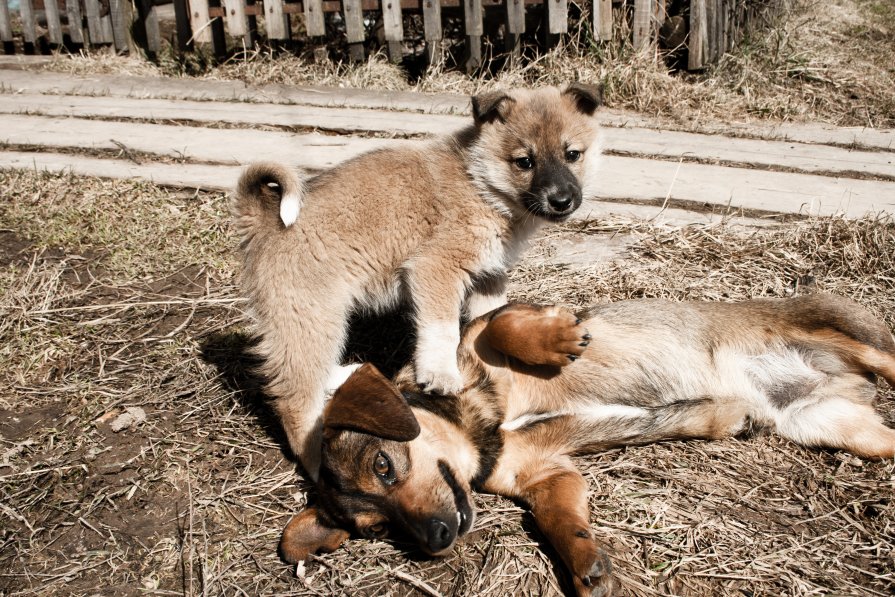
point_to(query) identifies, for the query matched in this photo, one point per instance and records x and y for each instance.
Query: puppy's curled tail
(267, 190)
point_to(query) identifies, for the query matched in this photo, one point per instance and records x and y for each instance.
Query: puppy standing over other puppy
(436, 225)
(544, 384)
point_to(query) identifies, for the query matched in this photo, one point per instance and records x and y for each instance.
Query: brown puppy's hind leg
(537, 335)
(558, 500)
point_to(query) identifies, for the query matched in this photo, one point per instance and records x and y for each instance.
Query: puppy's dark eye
(573, 155)
(382, 466)
(376, 530)
(524, 163)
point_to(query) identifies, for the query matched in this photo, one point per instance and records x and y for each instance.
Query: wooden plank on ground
(75, 21)
(5, 23)
(314, 18)
(220, 178)
(440, 103)
(26, 12)
(558, 16)
(603, 19)
(636, 141)
(618, 177)
(226, 146)
(54, 25)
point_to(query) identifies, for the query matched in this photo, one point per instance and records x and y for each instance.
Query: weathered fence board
(5, 23)
(558, 16)
(54, 25)
(26, 11)
(236, 17)
(314, 24)
(75, 29)
(643, 16)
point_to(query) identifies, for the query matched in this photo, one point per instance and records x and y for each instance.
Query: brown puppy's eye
(382, 466)
(525, 163)
(573, 155)
(376, 530)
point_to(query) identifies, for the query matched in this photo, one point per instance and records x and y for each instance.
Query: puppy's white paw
(446, 381)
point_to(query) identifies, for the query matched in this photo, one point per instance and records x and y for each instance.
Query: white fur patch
(290, 205)
(338, 376)
(436, 357)
(596, 411)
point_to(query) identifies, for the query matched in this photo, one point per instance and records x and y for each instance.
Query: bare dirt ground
(120, 294)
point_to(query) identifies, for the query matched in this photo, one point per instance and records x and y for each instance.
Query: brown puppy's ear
(370, 403)
(306, 534)
(489, 106)
(586, 97)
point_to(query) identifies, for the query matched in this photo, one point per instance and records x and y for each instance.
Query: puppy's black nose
(560, 203)
(439, 536)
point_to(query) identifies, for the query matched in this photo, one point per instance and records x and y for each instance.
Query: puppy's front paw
(446, 381)
(597, 582)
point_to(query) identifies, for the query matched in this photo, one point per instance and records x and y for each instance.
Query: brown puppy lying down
(542, 384)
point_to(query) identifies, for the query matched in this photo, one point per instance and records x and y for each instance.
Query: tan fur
(437, 226)
(643, 371)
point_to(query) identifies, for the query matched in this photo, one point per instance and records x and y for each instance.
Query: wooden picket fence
(714, 25)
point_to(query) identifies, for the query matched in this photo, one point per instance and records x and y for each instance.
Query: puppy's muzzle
(563, 199)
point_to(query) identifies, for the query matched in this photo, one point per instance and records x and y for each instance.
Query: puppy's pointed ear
(306, 534)
(587, 98)
(490, 106)
(369, 403)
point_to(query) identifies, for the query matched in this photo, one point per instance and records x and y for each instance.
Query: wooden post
(643, 16)
(394, 29)
(94, 23)
(515, 27)
(182, 20)
(275, 20)
(696, 44)
(603, 19)
(6, 28)
(75, 21)
(148, 27)
(200, 21)
(314, 18)
(54, 25)
(354, 29)
(432, 29)
(122, 19)
(472, 18)
(557, 16)
(235, 16)
(26, 11)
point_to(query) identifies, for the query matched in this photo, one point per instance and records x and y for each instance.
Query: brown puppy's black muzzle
(439, 536)
(555, 192)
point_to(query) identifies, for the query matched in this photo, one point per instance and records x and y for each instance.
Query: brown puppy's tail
(267, 192)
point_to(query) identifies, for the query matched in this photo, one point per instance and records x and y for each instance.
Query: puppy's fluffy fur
(437, 226)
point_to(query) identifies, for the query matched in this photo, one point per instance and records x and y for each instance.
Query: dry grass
(116, 294)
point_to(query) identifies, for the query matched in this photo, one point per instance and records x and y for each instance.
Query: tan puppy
(436, 226)
(541, 388)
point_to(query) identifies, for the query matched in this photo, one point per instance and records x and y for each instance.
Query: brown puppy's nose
(438, 535)
(560, 203)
